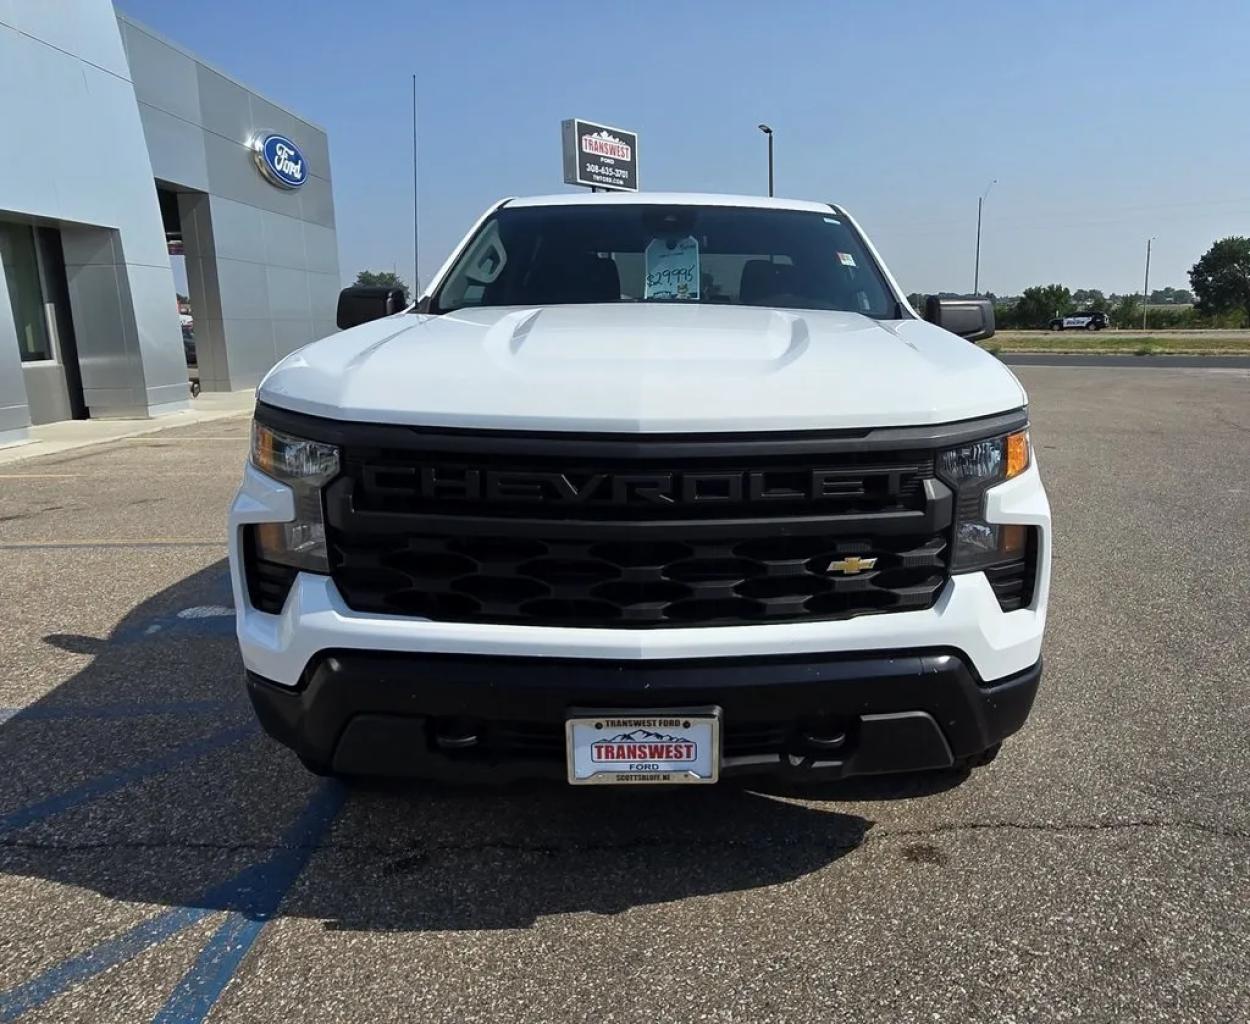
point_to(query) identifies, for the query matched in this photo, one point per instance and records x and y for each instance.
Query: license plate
(621, 748)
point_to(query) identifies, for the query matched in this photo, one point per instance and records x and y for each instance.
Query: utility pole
(416, 234)
(976, 273)
(1145, 288)
(769, 132)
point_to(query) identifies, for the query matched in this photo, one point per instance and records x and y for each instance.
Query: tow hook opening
(823, 734)
(455, 733)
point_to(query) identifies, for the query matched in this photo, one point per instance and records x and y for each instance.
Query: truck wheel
(1091, 326)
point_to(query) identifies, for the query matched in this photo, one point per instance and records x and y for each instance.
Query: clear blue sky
(1104, 122)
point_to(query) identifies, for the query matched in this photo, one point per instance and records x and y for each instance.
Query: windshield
(727, 255)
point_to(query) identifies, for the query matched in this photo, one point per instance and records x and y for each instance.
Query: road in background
(1213, 344)
(1211, 335)
(1075, 359)
(160, 857)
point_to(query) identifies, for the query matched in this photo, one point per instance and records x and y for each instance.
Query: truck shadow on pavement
(143, 778)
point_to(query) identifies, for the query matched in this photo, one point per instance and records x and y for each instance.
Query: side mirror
(972, 319)
(362, 303)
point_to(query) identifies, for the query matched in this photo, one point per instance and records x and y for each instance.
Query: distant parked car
(1086, 320)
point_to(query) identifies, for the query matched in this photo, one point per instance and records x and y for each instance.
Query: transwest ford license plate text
(613, 749)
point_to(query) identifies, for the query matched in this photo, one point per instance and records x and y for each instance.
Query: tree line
(1218, 297)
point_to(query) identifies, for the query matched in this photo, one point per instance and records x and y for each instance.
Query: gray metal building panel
(14, 409)
(164, 78)
(181, 145)
(254, 252)
(262, 262)
(67, 62)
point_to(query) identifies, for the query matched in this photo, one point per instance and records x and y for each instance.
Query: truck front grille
(636, 539)
(586, 582)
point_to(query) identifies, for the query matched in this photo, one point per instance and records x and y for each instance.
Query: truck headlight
(306, 467)
(972, 469)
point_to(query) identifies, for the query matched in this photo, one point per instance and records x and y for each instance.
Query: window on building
(21, 274)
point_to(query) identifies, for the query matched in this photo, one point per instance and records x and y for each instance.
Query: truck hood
(643, 368)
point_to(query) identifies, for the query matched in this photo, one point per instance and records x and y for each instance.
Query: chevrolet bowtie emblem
(852, 565)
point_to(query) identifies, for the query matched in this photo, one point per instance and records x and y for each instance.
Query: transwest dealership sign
(599, 155)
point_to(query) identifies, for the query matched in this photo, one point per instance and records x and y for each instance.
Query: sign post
(599, 156)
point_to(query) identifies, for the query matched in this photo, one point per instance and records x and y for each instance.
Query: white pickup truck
(645, 489)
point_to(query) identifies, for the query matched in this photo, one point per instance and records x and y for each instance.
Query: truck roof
(667, 199)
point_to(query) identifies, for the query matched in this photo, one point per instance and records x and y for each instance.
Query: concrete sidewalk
(51, 438)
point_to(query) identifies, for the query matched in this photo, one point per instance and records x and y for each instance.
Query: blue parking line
(265, 885)
(31, 994)
(203, 984)
(106, 784)
(252, 896)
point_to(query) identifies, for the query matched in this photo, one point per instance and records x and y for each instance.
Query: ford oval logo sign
(279, 160)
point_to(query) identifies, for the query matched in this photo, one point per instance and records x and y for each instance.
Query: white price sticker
(672, 267)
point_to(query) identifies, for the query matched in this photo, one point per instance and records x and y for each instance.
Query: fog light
(1011, 540)
(978, 543)
(300, 543)
(974, 540)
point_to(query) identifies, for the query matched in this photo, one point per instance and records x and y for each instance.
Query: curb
(108, 430)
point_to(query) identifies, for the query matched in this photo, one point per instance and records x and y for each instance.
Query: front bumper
(483, 718)
(364, 693)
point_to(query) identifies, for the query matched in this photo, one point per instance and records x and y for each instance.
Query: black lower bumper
(475, 718)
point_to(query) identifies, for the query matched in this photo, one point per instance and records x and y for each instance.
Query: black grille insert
(709, 582)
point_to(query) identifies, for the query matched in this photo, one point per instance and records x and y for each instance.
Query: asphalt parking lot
(161, 860)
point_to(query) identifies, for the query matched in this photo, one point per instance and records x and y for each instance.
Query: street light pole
(1145, 288)
(416, 234)
(769, 132)
(976, 273)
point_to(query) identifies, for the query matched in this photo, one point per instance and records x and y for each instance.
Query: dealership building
(127, 162)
